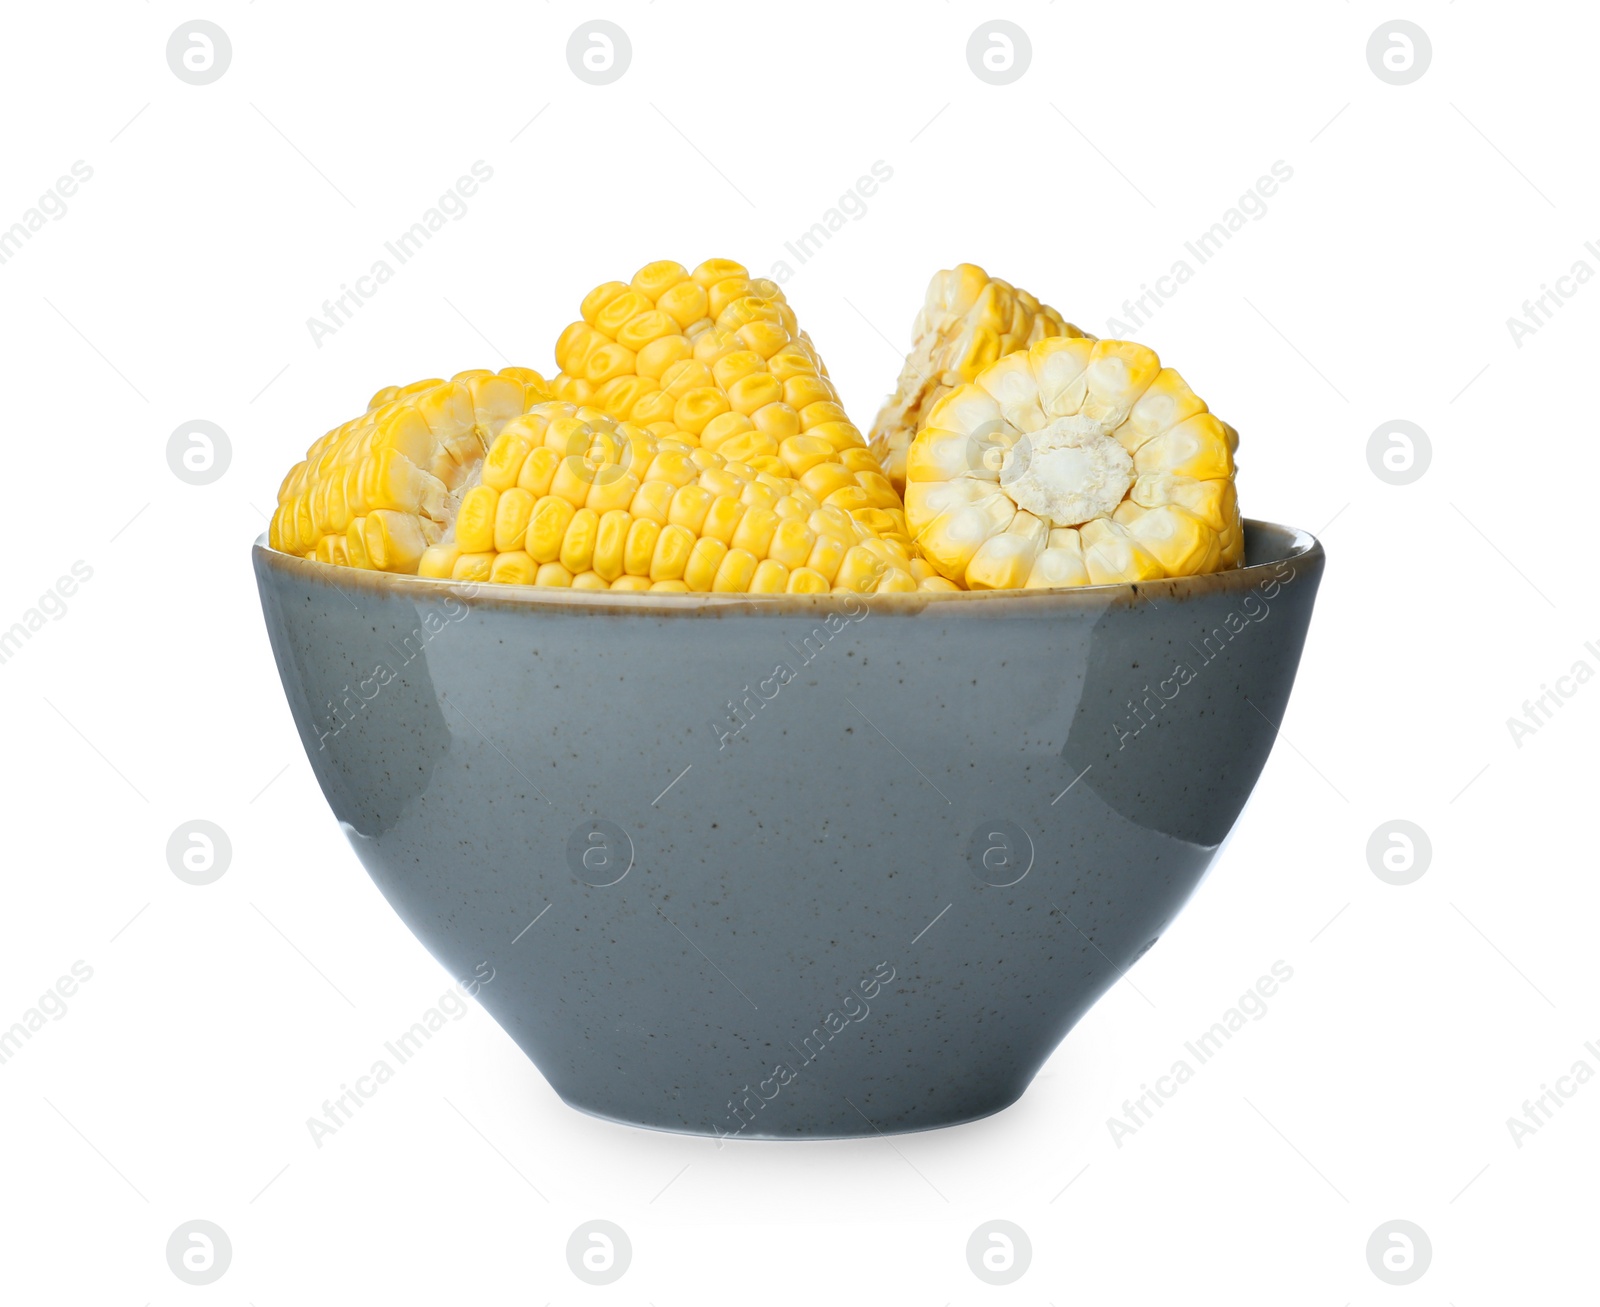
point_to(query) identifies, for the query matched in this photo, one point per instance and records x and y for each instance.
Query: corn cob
(568, 496)
(716, 358)
(377, 491)
(1074, 462)
(968, 320)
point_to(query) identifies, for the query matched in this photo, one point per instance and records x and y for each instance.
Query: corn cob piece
(717, 358)
(968, 320)
(1074, 462)
(568, 496)
(377, 491)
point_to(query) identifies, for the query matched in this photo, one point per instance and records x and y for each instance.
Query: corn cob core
(1074, 462)
(968, 321)
(568, 496)
(377, 491)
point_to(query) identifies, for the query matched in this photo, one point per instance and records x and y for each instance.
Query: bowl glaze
(812, 866)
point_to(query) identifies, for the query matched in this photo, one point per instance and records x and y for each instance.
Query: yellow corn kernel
(755, 530)
(475, 519)
(770, 578)
(394, 541)
(805, 581)
(547, 527)
(736, 572)
(611, 538)
(439, 561)
(654, 501)
(689, 507)
(671, 557)
(511, 514)
(640, 547)
(514, 568)
(472, 567)
(792, 543)
(577, 546)
(538, 469)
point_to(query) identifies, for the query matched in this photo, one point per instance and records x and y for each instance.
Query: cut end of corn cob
(377, 491)
(968, 321)
(1074, 462)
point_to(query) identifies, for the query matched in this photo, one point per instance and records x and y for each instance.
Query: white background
(1377, 286)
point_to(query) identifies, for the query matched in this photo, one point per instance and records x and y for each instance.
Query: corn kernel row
(568, 496)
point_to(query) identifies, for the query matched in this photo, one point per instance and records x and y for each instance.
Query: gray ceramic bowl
(803, 866)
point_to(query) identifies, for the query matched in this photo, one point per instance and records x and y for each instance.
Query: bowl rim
(1304, 549)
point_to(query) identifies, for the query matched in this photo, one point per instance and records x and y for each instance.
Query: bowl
(797, 866)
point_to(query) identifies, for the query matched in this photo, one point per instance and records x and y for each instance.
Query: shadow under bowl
(798, 866)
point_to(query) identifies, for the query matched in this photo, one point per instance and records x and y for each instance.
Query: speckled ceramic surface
(795, 867)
